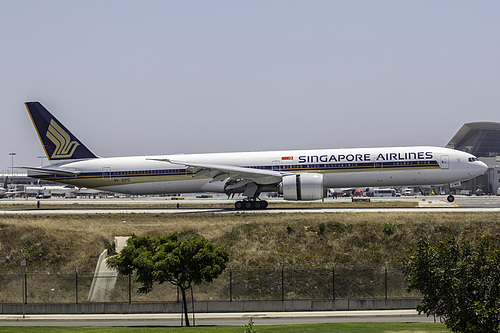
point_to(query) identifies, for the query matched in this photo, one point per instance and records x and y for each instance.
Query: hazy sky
(160, 77)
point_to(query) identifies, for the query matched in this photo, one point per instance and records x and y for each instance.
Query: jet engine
(302, 186)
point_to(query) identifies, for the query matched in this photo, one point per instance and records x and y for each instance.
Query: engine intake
(303, 186)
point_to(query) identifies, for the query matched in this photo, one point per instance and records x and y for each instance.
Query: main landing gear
(250, 204)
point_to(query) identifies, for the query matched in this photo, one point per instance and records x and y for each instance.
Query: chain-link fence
(235, 284)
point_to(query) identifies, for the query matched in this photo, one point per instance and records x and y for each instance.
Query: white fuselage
(356, 167)
(51, 189)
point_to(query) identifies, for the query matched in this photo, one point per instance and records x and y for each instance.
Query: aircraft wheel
(248, 205)
(258, 205)
(238, 205)
(264, 204)
(450, 198)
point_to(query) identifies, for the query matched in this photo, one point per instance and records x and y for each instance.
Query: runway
(435, 204)
(228, 211)
(205, 319)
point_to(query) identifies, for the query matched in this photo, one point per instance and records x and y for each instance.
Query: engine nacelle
(303, 186)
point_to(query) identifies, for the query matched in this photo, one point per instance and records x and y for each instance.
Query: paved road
(266, 211)
(203, 319)
(477, 202)
(426, 204)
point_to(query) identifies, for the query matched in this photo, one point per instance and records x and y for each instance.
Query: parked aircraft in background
(296, 174)
(45, 192)
(4, 189)
(9, 192)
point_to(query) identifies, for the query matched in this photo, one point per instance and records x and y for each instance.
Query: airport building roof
(481, 139)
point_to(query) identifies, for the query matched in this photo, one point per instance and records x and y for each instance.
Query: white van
(408, 192)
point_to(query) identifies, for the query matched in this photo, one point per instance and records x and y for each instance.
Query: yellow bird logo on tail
(64, 146)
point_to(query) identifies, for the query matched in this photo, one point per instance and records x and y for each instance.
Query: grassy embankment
(57, 242)
(62, 243)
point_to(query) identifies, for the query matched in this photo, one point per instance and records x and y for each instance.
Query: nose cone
(478, 169)
(483, 167)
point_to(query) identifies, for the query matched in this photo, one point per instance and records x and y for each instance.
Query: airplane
(4, 189)
(299, 175)
(48, 190)
(6, 192)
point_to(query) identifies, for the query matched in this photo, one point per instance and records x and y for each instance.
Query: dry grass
(63, 242)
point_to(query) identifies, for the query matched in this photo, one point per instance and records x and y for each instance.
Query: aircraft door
(378, 164)
(445, 162)
(276, 165)
(106, 173)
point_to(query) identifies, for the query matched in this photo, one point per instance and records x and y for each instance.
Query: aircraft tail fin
(57, 141)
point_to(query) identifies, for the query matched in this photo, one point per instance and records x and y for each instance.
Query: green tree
(459, 282)
(180, 261)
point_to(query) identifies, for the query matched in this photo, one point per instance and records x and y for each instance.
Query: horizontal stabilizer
(57, 172)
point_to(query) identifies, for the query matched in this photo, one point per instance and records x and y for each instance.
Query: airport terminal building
(481, 139)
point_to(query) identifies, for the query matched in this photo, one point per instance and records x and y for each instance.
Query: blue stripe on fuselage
(359, 166)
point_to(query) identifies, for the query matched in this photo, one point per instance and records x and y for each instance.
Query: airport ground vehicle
(381, 192)
(408, 192)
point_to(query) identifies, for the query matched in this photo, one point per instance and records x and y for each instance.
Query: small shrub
(289, 228)
(249, 327)
(389, 228)
(322, 228)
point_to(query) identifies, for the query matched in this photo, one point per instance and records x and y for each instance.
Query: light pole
(12, 165)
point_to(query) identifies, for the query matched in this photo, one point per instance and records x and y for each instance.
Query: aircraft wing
(219, 172)
(13, 192)
(57, 172)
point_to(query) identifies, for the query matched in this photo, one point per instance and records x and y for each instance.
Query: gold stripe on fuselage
(105, 179)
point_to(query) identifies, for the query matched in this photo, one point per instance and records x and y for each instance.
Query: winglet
(57, 141)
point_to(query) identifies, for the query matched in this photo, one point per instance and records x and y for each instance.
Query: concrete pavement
(260, 318)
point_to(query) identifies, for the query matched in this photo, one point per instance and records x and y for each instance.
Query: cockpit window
(473, 159)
